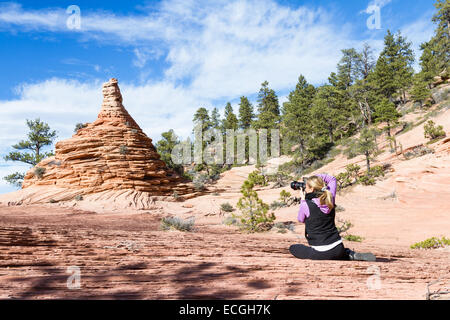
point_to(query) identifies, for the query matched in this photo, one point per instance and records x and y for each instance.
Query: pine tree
(268, 108)
(363, 93)
(246, 113)
(435, 56)
(348, 67)
(165, 146)
(201, 116)
(331, 111)
(254, 212)
(428, 64)
(230, 120)
(296, 117)
(364, 145)
(201, 120)
(215, 119)
(366, 62)
(393, 72)
(420, 91)
(441, 40)
(30, 151)
(385, 111)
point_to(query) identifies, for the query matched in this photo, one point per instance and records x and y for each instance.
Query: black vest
(320, 228)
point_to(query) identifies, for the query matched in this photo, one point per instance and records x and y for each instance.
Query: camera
(296, 185)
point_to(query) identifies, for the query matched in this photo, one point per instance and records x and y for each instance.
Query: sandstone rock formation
(110, 154)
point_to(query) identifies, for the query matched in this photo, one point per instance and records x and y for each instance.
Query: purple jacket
(303, 213)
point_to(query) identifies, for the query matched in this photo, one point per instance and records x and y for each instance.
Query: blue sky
(172, 56)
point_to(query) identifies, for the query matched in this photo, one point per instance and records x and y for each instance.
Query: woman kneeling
(317, 211)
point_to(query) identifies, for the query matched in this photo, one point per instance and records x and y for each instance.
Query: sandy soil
(123, 254)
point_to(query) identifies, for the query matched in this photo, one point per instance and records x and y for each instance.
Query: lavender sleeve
(331, 183)
(303, 213)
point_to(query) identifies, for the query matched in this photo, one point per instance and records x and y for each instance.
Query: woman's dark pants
(304, 252)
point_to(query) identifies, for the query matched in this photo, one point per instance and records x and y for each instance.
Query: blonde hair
(317, 184)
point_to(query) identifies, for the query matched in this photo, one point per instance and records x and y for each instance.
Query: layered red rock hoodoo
(112, 153)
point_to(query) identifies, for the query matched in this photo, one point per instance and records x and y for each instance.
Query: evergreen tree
(246, 113)
(215, 119)
(30, 151)
(427, 64)
(268, 108)
(296, 117)
(365, 97)
(230, 120)
(365, 145)
(165, 146)
(254, 215)
(436, 53)
(441, 40)
(420, 91)
(366, 62)
(386, 112)
(329, 111)
(348, 67)
(202, 116)
(393, 72)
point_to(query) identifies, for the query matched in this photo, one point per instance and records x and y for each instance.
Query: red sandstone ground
(122, 254)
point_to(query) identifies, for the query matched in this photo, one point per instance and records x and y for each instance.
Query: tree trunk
(367, 162)
(395, 146)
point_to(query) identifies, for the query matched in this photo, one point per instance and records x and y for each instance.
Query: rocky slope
(123, 254)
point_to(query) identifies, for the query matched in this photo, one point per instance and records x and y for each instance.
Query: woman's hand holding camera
(302, 194)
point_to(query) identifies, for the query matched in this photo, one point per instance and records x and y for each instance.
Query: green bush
(377, 171)
(199, 186)
(39, 172)
(79, 197)
(170, 223)
(200, 179)
(431, 243)
(254, 215)
(277, 204)
(123, 149)
(343, 180)
(284, 196)
(354, 238)
(349, 177)
(257, 179)
(284, 226)
(343, 226)
(280, 178)
(79, 126)
(226, 207)
(231, 221)
(187, 176)
(367, 181)
(431, 131)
